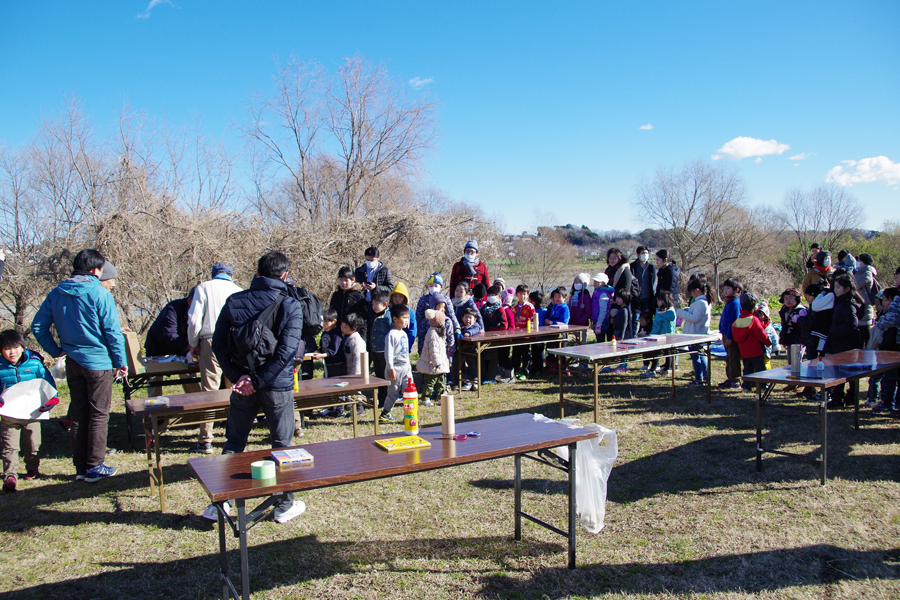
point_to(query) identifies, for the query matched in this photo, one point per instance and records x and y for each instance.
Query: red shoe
(31, 474)
(9, 484)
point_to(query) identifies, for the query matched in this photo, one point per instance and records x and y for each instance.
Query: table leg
(854, 389)
(223, 558)
(758, 429)
(159, 475)
(148, 428)
(572, 515)
(709, 372)
(823, 411)
(518, 497)
(478, 368)
(672, 369)
(245, 560)
(375, 411)
(355, 405)
(561, 367)
(126, 391)
(459, 366)
(596, 368)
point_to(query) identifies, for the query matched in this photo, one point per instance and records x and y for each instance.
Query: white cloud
(879, 169)
(801, 156)
(744, 147)
(646, 127)
(146, 13)
(758, 160)
(419, 83)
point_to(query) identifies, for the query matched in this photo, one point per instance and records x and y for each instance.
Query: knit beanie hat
(473, 244)
(109, 272)
(435, 279)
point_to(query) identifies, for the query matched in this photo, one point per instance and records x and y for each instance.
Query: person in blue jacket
(270, 387)
(731, 294)
(84, 315)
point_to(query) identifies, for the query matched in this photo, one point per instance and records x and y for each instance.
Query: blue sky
(541, 104)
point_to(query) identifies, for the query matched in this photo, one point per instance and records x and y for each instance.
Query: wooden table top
(604, 350)
(515, 334)
(309, 388)
(359, 459)
(834, 373)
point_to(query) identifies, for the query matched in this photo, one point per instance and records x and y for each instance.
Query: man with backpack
(257, 336)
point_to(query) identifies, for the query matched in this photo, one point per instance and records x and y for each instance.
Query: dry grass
(687, 516)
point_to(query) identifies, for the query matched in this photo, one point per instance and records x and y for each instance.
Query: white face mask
(492, 299)
(827, 262)
(434, 289)
(578, 287)
(644, 257)
(372, 264)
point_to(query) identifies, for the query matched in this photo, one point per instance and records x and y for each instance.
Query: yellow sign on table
(407, 442)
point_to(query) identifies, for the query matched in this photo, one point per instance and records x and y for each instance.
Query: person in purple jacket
(731, 294)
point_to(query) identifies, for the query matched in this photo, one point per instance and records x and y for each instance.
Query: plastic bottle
(820, 367)
(296, 382)
(613, 342)
(411, 408)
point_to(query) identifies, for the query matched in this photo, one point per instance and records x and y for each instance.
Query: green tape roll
(262, 469)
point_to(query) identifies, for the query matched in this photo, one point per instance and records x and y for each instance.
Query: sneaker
(298, 433)
(9, 484)
(487, 381)
(339, 413)
(871, 404)
(644, 368)
(31, 474)
(99, 472)
(296, 509)
(466, 387)
(80, 472)
(386, 417)
(665, 373)
(202, 448)
(732, 385)
(66, 424)
(427, 402)
(521, 377)
(620, 370)
(606, 370)
(726, 384)
(648, 375)
(880, 408)
(212, 513)
(835, 404)
(696, 383)
(360, 410)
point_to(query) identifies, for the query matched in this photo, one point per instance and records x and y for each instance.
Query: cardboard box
(137, 366)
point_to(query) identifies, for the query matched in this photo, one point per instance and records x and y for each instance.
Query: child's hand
(467, 335)
(49, 404)
(393, 375)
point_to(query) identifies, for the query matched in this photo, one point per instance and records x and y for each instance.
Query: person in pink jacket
(581, 307)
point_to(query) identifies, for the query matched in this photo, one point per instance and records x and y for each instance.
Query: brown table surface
(834, 373)
(604, 350)
(519, 334)
(309, 388)
(338, 462)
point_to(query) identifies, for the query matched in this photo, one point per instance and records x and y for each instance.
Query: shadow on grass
(278, 564)
(753, 572)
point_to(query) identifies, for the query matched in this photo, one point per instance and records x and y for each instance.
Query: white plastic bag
(594, 462)
(59, 369)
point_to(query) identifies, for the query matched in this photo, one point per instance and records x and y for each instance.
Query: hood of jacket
(400, 288)
(78, 285)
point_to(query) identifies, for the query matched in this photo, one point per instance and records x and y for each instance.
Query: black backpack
(252, 343)
(311, 307)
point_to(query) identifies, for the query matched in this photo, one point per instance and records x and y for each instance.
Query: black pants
(378, 367)
(91, 396)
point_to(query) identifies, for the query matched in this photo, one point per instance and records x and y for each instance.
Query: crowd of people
(839, 307)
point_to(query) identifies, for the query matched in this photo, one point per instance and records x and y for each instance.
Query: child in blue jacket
(663, 324)
(731, 294)
(17, 365)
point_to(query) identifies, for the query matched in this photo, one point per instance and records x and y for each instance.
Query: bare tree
(546, 256)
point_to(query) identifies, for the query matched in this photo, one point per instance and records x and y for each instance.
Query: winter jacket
(696, 317)
(621, 324)
(460, 272)
(663, 322)
(475, 329)
(601, 300)
(208, 299)
(558, 313)
(460, 307)
(730, 313)
(353, 347)
(381, 325)
(86, 321)
(331, 344)
(168, 334)
(433, 358)
(750, 335)
(619, 276)
(430, 301)
(522, 314)
(844, 331)
(383, 280)
(510, 318)
(668, 281)
(277, 373)
(30, 366)
(815, 275)
(791, 327)
(820, 320)
(891, 318)
(413, 328)
(645, 273)
(773, 339)
(351, 300)
(581, 307)
(864, 276)
(494, 317)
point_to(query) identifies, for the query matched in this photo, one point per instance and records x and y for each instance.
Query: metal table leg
(572, 513)
(245, 559)
(595, 367)
(561, 366)
(854, 389)
(758, 429)
(823, 411)
(709, 372)
(478, 368)
(159, 475)
(518, 497)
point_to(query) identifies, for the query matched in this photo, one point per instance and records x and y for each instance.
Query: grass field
(687, 514)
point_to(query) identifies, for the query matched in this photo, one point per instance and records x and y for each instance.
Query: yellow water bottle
(296, 382)
(411, 408)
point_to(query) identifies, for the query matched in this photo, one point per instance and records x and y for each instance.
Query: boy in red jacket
(750, 336)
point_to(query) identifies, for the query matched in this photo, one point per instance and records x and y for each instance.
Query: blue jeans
(889, 386)
(278, 406)
(701, 366)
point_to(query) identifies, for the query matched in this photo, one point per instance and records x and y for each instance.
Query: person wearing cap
(108, 276)
(820, 271)
(433, 296)
(811, 258)
(87, 325)
(864, 276)
(206, 304)
(470, 268)
(601, 301)
(374, 275)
